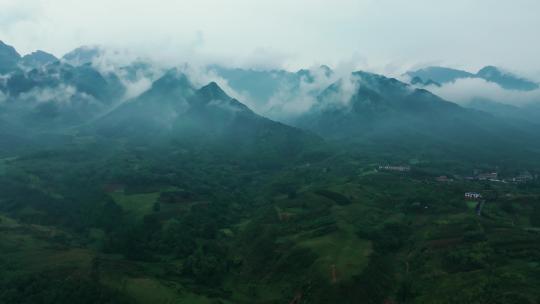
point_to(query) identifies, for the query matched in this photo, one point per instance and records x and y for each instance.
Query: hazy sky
(385, 35)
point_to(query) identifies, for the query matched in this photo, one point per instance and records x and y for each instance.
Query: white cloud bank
(62, 95)
(463, 91)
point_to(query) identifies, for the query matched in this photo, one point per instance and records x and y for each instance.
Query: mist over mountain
(492, 74)
(491, 90)
(204, 183)
(268, 152)
(87, 87)
(173, 109)
(384, 111)
(439, 74)
(261, 85)
(11, 60)
(38, 59)
(528, 112)
(82, 55)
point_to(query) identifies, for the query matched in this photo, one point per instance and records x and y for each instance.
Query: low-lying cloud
(134, 72)
(290, 99)
(136, 87)
(294, 99)
(62, 95)
(463, 91)
(200, 75)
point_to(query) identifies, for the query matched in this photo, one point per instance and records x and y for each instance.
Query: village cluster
(478, 175)
(523, 177)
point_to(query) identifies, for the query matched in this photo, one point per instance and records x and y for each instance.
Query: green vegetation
(208, 230)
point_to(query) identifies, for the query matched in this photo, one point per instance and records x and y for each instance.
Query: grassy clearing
(368, 172)
(168, 211)
(150, 290)
(471, 204)
(27, 249)
(348, 253)
(6, 222)
(145, 290)
(267, 293)
(137, 205)
(342, 249)
(57, 259)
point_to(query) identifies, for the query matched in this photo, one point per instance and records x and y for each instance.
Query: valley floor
(339, 232)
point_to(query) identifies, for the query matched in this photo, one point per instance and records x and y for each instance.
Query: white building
(473, 195)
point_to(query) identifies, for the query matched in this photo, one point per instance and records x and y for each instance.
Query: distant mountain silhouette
(489, 73)
(9, 58)
(38, 59)
(174, 109)
(388, 112)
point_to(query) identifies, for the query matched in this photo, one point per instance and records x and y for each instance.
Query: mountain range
(441, 75)
(174, 109)
(43, 94)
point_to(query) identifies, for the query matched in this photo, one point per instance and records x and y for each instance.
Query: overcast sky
(384, 35)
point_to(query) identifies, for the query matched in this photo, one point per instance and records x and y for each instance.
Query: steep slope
(377, 106)
(386, 112)
(151, 113)
(59, 95)
(506, 80)
(9, 58)
(225, 120)
(84, 78)
(82, 55)
(260, 86)
(174, 110)
(38, 59)
(529, 112)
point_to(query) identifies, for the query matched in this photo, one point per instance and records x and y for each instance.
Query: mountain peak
(4, 45)
(420, 82)
(171, 87)
(380, 83)
(439, 74)
(172, 79)
(505, 79)
(442, 75)
(489, 70)
(83, 55)
(212, 91)
(326, 68)
(38, 58)
(9, 58)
